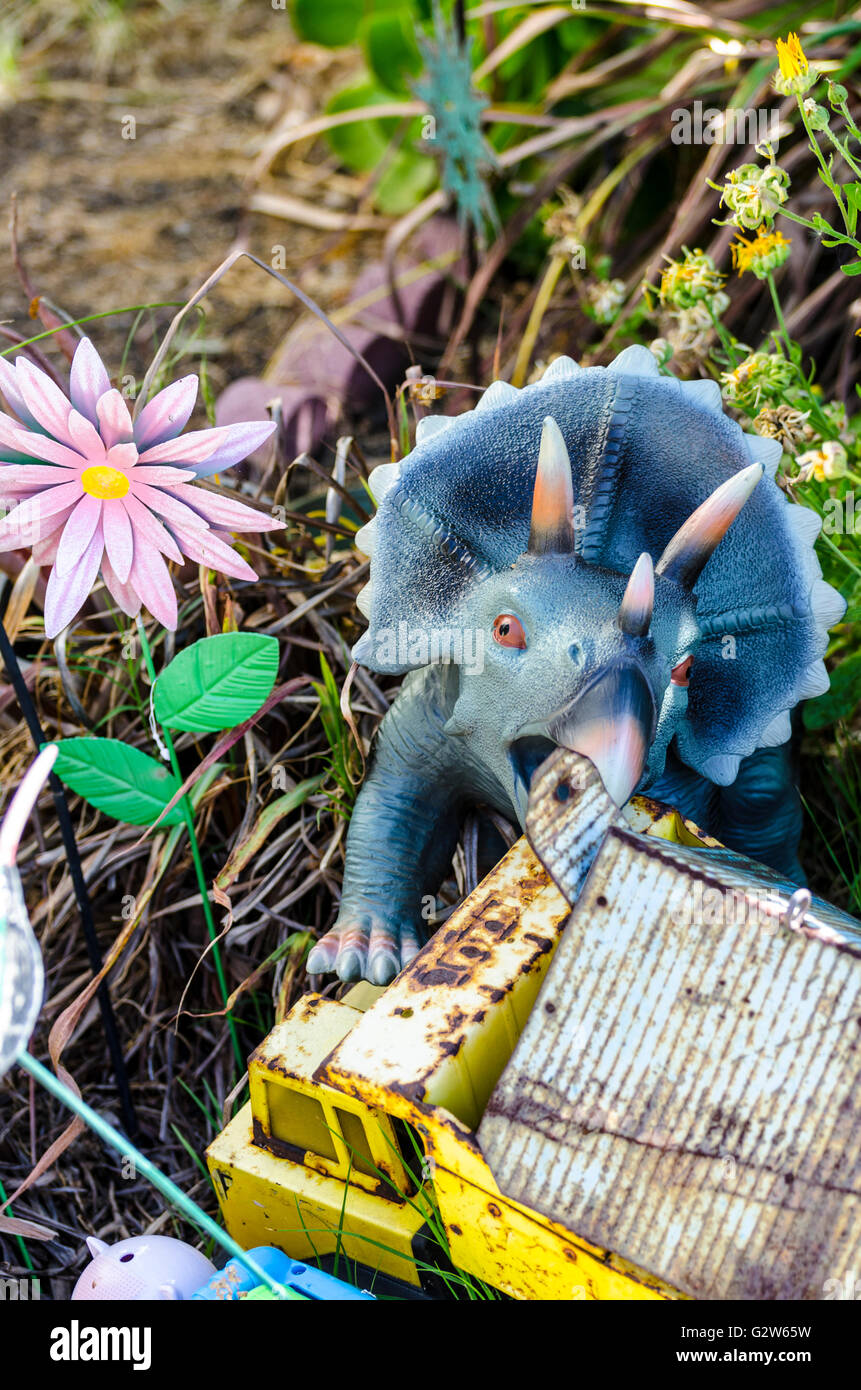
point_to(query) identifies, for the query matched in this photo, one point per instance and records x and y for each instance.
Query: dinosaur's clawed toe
(411, 944)
(322, 957)
(364, 948)
(384, 956)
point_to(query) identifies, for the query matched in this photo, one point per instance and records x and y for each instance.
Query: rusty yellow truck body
(637, 1079)
(319, 1159)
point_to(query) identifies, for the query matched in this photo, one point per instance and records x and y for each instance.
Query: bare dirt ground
(128, 169)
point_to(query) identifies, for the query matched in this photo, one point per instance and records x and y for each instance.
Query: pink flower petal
(165, 504)
(207, 549)
(122, 594)
(190, 448)
(86, 437)
(31, 477)
(27, 527)
(161, 476)
(34, 517)
(65, 594)
(88, 380)
(55, 499)
(38, 446)
(10, 432)
(151, 579)
(123, 456)
(225, 511)
(81, 528)
(166, 414)
(150, 531)
(44, 400)
(119, 544)
(234, 442)
(45, 551)
(115, 421)
(12, 392)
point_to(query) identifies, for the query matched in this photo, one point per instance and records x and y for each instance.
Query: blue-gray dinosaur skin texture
(595, 561)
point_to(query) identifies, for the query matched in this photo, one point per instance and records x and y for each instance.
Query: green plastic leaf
(217, 682)
(117, 779)
(841, 699)
(333, 23)
(853, 269)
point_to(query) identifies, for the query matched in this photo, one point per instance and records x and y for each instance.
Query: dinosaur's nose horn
(635, 610)
(613, 724)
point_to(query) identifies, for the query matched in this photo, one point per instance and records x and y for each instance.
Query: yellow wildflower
(824, 464)
(791, 57)
(795, 75)
(762, 254)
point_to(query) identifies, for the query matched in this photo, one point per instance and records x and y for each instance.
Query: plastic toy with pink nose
(142, 1268)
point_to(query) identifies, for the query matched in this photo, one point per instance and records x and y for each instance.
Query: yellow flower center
(100, 480)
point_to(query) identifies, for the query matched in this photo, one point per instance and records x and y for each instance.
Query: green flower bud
(837, 95)
(817, 117)
(692, 280)
(760, 377)
(753, 195)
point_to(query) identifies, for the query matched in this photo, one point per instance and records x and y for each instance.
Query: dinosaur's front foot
(365, 946)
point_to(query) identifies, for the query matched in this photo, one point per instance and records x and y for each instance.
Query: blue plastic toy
(235, 1281)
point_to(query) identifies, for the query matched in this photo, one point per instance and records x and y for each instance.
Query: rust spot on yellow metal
(445, 1028)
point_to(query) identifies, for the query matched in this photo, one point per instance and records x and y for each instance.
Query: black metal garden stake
(82, 897)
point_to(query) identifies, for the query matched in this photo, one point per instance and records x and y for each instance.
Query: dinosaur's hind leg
(760, 813)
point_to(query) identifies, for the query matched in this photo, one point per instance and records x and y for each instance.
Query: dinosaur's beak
(611, 722)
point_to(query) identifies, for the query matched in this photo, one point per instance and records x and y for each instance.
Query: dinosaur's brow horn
(551, 530)
(696, 540)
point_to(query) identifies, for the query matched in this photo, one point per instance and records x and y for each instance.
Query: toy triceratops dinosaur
(525, 605)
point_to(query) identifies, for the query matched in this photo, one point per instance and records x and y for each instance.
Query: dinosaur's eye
(681, 674)
(508, 632)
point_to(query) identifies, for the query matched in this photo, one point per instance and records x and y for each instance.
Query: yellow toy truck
(653, 1095)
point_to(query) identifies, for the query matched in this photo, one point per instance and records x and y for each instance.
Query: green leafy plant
(413, 48)
(343, 759)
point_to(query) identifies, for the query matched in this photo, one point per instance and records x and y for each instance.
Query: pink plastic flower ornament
(97, 492)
